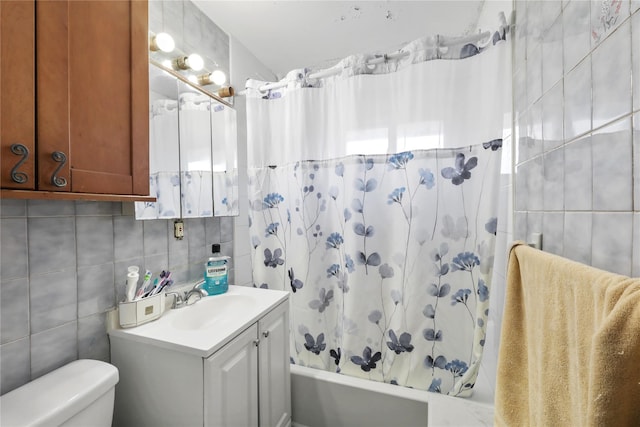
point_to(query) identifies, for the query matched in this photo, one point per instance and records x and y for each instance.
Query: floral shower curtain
(164, 162)
(373, 200)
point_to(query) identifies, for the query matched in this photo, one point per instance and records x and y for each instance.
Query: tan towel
(570, 346)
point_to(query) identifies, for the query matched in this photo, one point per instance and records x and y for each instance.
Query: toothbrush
(164, 286)
(151, 289)
(157, 284)
(166, 281)
(145, 284)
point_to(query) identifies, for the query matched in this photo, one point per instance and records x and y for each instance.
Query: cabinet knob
(59, 157)
(256, 342)
(265, 334)
(19, 150)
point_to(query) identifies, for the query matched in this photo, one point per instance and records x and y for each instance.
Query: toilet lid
(57, 396)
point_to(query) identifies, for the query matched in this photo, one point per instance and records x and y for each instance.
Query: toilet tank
(78, 394)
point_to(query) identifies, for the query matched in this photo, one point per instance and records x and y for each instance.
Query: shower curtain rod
(443, 41)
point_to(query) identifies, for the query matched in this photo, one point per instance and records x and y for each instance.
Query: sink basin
(204, 327)
(210, 311)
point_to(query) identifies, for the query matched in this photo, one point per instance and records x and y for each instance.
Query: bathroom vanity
(223, 361)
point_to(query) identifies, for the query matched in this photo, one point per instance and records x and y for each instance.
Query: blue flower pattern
(461, 171)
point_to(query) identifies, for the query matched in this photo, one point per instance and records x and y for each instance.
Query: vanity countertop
(204, 327)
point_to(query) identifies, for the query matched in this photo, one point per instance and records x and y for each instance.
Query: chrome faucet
(196, 292)
(193, 295)
(178, 299)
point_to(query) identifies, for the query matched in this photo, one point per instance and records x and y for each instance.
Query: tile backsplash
(63, 267)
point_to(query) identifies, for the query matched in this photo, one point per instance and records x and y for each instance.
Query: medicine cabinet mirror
(193, 152)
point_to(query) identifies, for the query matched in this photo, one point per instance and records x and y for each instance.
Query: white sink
(205, 326)
(211, 311)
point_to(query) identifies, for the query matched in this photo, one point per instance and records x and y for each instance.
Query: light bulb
(218, 77)
(167, 63)
(195, 62)
(193, 79)
(163, 42)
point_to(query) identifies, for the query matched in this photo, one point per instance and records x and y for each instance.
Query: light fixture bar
(185, 80)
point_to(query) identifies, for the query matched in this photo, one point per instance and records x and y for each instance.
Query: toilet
(80, 393)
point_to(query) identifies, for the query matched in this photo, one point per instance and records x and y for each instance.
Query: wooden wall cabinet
(74, 89)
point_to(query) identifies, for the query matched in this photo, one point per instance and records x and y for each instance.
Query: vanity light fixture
(217, 77)
(193, 62)
(205, 79)
(162, 41)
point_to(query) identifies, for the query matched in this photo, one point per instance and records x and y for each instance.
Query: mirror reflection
(193, 152)
(225, 159)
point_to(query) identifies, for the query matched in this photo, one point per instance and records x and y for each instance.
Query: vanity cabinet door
(275, 382)
(231, 383)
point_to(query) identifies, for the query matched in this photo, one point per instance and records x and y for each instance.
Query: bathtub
(322, 399)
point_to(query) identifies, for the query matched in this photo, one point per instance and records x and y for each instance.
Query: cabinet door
(92, 99)
(231, 383)
(17, 94)
(275, 382)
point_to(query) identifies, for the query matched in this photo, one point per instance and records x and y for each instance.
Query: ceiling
(285, 35)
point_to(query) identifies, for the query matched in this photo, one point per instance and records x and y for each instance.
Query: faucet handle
(178, 299)
(194, 295)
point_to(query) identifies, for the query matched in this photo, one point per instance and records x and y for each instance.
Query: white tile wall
(534, 72)
(578, 175)
(552, 232)
(590, 156)
(553, 182)
(550, 13)
(521, 28)
(576, 25)
(612, 77)
(535, 130)
(552, 48)
(636, 163)
(635, 56)
(635, 268)
(520, 225)
(612, 242)
(534, 22)
(525, 143)
(535, 183)
(577, 100)
(612, 167)
(552, 117)
(578, 227)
